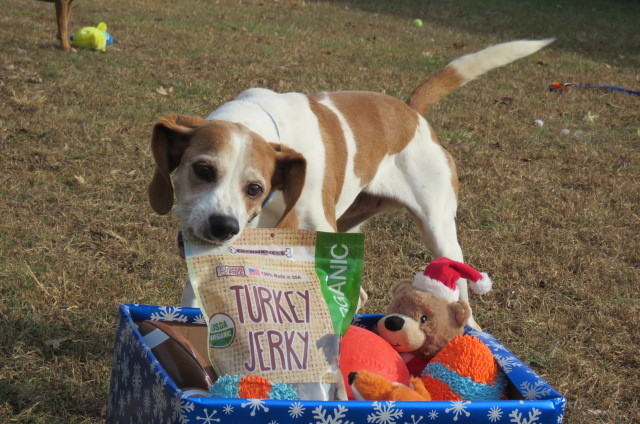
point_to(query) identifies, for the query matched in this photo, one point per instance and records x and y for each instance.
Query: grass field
(552, 212)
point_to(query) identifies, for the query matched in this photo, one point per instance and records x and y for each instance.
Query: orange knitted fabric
(254, 387)
(469, 357)
(438, 389)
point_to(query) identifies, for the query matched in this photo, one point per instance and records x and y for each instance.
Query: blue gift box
(142, 392)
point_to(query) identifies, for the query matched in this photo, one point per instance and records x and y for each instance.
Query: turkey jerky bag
(277, 302)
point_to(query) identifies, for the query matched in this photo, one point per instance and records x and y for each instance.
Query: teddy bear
(419, 324)
(425, 313)
(425, 323)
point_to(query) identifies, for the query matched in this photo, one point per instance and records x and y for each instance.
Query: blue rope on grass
(610, 87)
(558, 86)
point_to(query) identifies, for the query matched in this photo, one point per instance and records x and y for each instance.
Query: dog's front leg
(188, 295)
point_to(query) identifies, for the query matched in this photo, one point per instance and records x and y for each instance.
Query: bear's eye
(423, 319)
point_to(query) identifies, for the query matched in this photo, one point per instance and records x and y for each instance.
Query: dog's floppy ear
(170, 138)
(289, 176)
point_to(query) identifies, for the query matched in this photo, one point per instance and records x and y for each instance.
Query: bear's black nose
(394, 323)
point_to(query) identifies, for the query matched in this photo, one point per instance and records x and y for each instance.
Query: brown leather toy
(182, 362)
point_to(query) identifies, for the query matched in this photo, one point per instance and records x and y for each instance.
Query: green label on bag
(222, 331)
(339, 268)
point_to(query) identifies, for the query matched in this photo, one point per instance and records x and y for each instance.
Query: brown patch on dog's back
(335, 147)
(381, 125)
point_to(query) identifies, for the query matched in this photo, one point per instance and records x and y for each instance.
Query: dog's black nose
(394, 323)
(223, 227)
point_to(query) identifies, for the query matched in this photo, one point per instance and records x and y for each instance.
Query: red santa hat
(440, 278)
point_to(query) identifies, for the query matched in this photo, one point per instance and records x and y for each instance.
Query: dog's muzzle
(223, 227)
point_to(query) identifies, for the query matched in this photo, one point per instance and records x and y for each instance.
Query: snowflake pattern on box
(337, 416)
(199, 320)
(532, 417)
(495, 414)
(459, 408)
(255, 405)
(385, 413)
(169, 313)
(507, 362)
(296, 410)
(534, 391)
(142, 392)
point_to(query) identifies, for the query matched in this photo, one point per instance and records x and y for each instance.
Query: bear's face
(420, 322)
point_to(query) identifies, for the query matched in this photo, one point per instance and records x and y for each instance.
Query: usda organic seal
(222, 330)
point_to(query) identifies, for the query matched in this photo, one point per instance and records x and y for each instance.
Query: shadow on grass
(603, 30)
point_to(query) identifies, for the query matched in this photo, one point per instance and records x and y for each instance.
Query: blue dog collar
(266, 200)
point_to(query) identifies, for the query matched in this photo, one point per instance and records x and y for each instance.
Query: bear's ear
(400, 286)
(461, 312)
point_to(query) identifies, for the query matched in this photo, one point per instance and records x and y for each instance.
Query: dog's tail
(469, 67)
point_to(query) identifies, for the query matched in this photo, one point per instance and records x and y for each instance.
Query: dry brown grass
(553, 218)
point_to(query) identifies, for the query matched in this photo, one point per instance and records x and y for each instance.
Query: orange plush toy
(464, 370)
(364, 350)
(366, 385)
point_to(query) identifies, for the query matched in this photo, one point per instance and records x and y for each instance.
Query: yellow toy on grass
(93, 38)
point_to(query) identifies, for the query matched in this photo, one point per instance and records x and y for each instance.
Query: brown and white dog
(333, 159)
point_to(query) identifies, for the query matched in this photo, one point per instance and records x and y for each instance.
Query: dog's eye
(423, 319)
(253, 190)
(204, 171)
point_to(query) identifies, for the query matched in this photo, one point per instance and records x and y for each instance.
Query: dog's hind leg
(439, 234)
(423, 179)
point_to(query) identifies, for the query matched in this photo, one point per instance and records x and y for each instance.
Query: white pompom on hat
(440, 278)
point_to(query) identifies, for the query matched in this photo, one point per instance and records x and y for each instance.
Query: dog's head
(223, 174)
